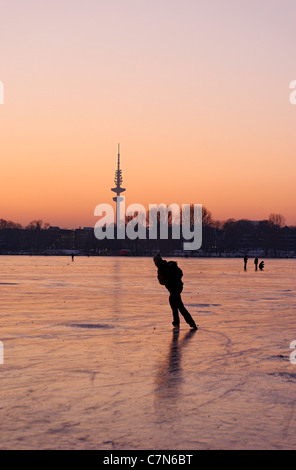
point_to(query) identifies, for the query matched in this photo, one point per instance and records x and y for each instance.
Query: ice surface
(91, 360)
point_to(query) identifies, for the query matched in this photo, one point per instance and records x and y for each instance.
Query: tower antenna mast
(118, 188)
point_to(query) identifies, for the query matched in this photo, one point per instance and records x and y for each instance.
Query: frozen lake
(91, 360)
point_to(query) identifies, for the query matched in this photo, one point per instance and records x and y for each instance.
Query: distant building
(118, 189)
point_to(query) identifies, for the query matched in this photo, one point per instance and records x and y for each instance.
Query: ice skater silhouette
(170, 275)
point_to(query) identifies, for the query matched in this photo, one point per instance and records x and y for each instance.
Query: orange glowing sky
(196, 92)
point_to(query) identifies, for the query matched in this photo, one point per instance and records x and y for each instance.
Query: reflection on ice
(169, 378)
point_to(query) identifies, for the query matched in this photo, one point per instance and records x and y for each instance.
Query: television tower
(118, 189)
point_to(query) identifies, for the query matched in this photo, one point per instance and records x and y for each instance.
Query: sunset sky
(196, 92)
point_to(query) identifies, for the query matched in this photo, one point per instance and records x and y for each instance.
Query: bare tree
(277, 220)
(207, 217)
(9, 224)
(35, 225)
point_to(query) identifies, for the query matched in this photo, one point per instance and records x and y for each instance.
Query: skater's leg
(174, 306)
(183, 310)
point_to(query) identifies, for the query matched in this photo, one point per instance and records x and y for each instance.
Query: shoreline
(68, 253)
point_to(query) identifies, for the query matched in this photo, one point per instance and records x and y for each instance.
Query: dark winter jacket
(170, 275)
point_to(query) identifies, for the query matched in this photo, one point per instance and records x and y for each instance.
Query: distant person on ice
(170, 275)
(256, 263)
(245, 262)
(261, 266)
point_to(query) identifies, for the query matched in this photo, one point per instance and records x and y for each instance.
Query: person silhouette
(256, 263)
(169, 274)
(245, 262)
(261, 266)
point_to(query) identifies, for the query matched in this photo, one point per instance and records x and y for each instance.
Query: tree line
(272, 236)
